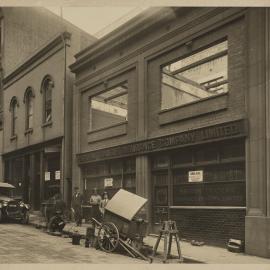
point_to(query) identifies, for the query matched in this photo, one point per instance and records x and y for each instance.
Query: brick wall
(214, 227)
(235, 108)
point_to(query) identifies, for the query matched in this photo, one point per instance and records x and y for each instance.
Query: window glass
(14, 118)
(161, 161)
(29, 110)
(109, 108)
(122, 172)
(48, 86)
(201, 75)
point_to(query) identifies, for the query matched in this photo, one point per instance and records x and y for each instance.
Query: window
(122, 173)
(206, 175)
(47, 87)
(109, 108)
(13, 109)
(201, 75)
(29, 101)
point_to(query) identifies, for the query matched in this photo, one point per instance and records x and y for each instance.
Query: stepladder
(169, 232)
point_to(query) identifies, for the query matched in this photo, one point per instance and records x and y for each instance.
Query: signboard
(47, 176)
(195, 176)
(222, 131)
(108, 182)
(57, 175)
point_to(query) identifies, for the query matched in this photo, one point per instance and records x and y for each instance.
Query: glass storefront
(110, 175)
(206, 175)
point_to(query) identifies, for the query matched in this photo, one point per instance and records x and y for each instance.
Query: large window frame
(108, 104)
(224, 169)
(182, 75)
(122, 171)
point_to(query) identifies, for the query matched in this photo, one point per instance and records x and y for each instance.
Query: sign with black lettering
(195, 176)
(47, 176)
(108, 182)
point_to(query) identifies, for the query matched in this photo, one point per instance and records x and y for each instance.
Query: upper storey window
(196, 77)
(14, 114)
(29, 101)
(109, 108)
(47, 88)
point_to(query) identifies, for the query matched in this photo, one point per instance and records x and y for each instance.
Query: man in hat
(76, 206)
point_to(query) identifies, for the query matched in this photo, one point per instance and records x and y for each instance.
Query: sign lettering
(222, 131)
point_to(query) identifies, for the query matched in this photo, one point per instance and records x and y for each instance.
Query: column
(42, 173)
(257, 232)
(143, 184)
(31, 181)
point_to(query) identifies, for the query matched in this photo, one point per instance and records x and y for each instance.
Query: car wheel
(25, 219)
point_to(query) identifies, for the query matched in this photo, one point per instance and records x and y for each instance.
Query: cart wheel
(108, 237)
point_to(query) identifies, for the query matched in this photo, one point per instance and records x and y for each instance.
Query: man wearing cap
(76, 206)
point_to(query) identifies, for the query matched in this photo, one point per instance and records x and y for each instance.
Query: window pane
(109, 108)
(193, 78)
(48, 85)
(30, 111)
(30, 121)
(14, 118)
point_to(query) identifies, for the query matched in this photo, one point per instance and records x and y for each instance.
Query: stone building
(37, 48)
(174, 105)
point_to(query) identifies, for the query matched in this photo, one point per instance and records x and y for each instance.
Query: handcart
(121, 226)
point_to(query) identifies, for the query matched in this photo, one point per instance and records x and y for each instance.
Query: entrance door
(160, 197)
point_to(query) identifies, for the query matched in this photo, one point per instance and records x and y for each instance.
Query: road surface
(26, 244)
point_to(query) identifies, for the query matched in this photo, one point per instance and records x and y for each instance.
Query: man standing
(95, 200)
(76, 206)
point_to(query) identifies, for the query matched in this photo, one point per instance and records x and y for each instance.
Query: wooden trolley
(121, 227)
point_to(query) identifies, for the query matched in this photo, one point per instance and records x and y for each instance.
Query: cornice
(126, 32)
(51, 46)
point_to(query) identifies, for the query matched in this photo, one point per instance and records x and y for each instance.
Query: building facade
(174, 105)
(37, 86)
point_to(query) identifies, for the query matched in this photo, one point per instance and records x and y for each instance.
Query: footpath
(192, 254)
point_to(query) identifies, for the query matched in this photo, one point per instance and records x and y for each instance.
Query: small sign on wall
(57, 175)
(195, 176)
(47, 176)
(108, 182)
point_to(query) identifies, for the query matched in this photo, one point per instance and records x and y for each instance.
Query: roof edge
(62, 37)
(123, 33)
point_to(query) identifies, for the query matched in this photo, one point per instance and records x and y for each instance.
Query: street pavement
(26, 244)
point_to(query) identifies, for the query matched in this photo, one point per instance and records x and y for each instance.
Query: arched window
(14, 114)
(46, 88)
(29, 101)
